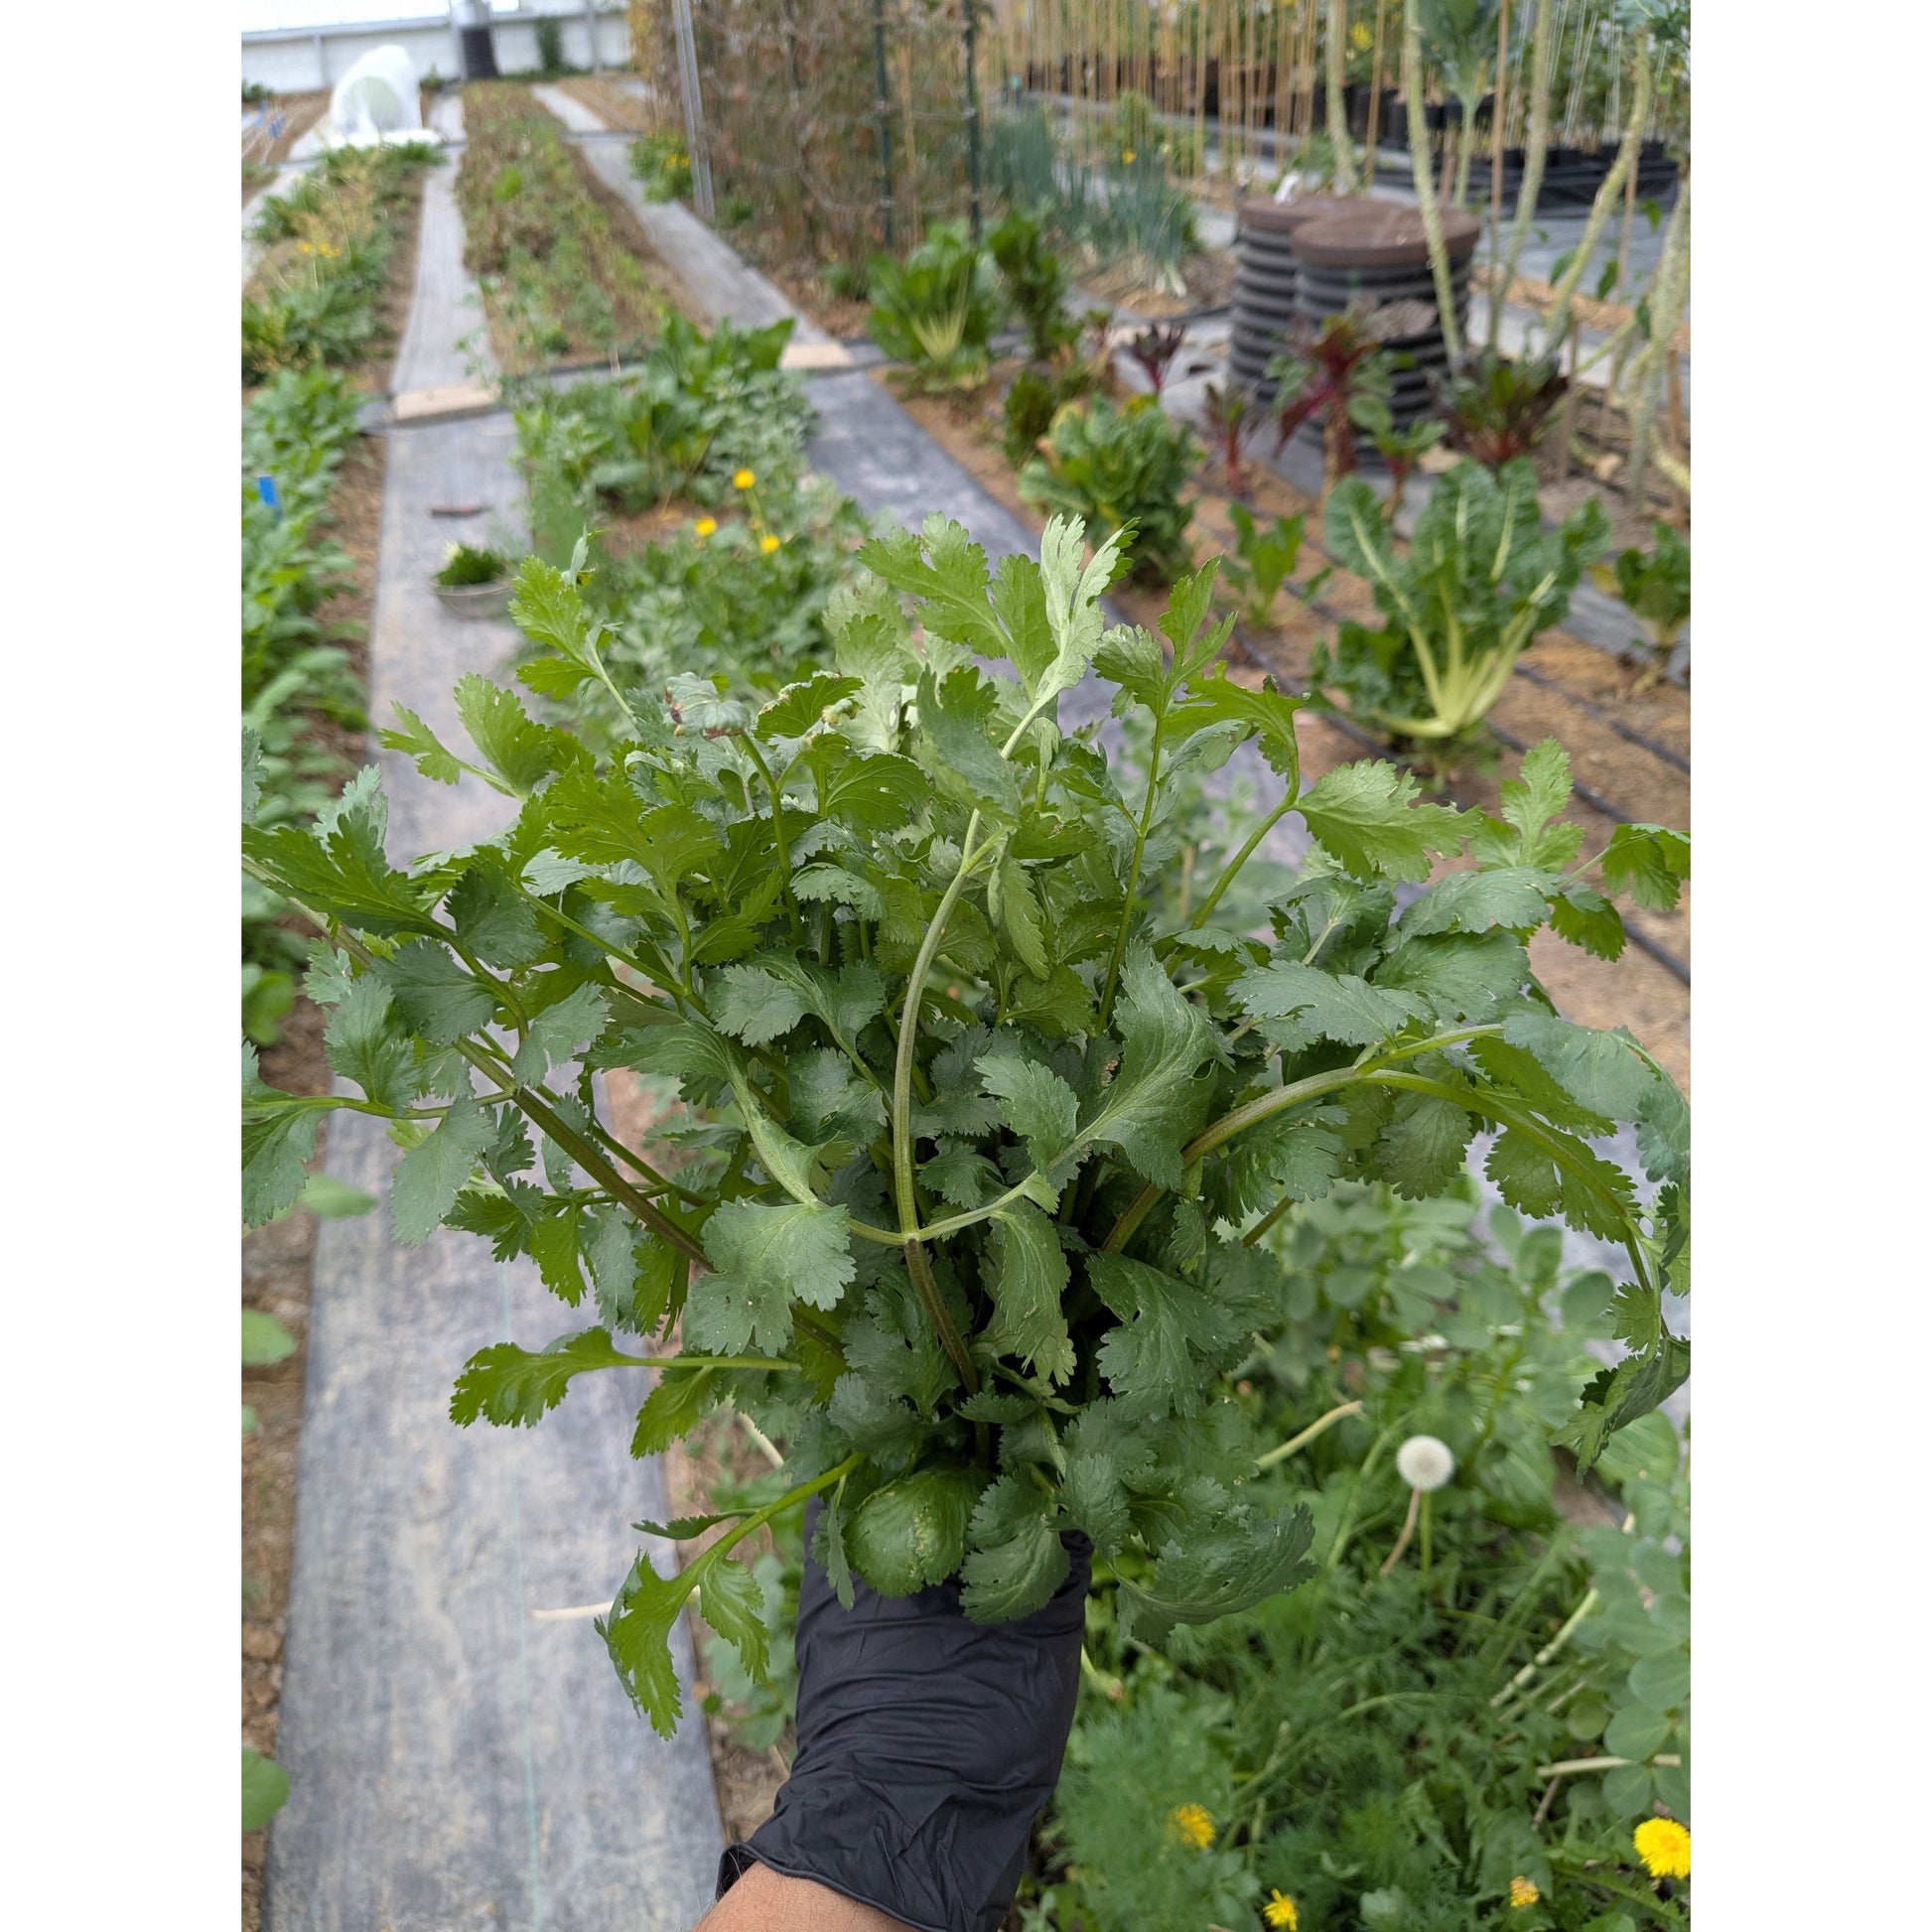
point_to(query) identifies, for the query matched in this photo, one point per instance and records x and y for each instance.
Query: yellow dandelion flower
(707, 526)
(1522, 1892)
(1192, 1825)
(1127, 155)
(1281, 1911)
(742, 480)
(1664, 1845)
(1362, 38)
(768, 543)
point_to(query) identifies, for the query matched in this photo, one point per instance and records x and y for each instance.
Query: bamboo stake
(1606, 197)
(1496, 139)
(1537, 152)
(1345, 178)
(1431, 219)
(1374, 100)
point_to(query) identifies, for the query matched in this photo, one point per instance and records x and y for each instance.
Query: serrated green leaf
(1031, 1278)
(521, 752)
(493, 919)
(674, 1407)
(1035, 1103)
(798, 707)
(1474, 901)
(1649, 862)
(434, 1171)
(1588, 922)
(1422, 1147)
(1216, 1568)
(513, 1387)
(1366, 817)
(1597, 1069)
(762, 1256)
(1016, 1560)
(637, 1634)
(730, 1601)
(275, 1154)
(1156, 1099)
(1325, 1006)
(436, 994)
(554, 1035)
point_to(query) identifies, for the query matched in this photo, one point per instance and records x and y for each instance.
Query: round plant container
(475, 600)
(1376, 251)
(1265, 280)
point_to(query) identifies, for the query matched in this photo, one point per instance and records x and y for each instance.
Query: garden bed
(566, 273)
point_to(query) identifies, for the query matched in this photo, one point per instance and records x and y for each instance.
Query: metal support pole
(590, 21)
(972, 117)
(884, 119)
(687, 70)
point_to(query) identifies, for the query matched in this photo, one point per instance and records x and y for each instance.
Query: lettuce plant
(1481, 578)
(1117, 467)
(977, 1129)
(1655, 588)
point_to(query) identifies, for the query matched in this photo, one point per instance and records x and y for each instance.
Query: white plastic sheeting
(377, 99)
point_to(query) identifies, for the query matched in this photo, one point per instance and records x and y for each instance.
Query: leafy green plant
(1465, 1735)
(695, 413)
(1481, 578)
(264, 1789)
(297, 680)
(662, 163)
(1401, 450)
(1460, 38)
(975, 1134)
(1036, 281)
(550, 44)
(1342, 371)
(1264, 560)
(467, 565)
(1230, 413)
(1497, 410)
(938, 310)
(1155, 348)
(1118, 466)
(1030, 402)
(1655, 586)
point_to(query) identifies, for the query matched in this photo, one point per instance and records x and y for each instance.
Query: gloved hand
(928, 1747)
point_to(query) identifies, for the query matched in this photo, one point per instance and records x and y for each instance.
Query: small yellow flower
(1362, 38)
(768, 543)
(1280, 1911)
(1664, 1845)
(1522, 1891)
(1127, 155)
(1193, 1825)
(707, 526)
(742, 480)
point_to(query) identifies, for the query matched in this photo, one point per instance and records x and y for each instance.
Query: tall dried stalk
(1345, 176)
(1670, 289)
(1431, 215)
(1537, 149)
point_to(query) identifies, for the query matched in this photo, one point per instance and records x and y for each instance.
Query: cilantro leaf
(762, 1257)
(1366, 816)
(431, 1175)
(513, 1387)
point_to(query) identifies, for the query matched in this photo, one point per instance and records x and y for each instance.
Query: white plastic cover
(377, 99)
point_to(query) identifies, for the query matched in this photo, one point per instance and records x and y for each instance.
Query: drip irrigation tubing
(1629, 733)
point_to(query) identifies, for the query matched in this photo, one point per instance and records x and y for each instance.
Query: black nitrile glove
(928, 1747)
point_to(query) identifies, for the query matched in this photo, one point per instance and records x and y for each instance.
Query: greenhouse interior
(966, 742)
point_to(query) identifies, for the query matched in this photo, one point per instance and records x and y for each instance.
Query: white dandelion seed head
(1425, 1462)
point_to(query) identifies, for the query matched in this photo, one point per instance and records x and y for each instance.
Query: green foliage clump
(1480, 580)
(1036, 283)
(1124, 207)
(1497, 410)
(699, 409)
(663, 164)
(1118, 466)
(977, 1120)
(1264, 560)
(296, 674)
(467, 565)
(1376, 1748)
(550, 44)
(938, 310)
(1655, 586)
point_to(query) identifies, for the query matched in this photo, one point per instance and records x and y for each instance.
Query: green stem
(1281, 1451)
(1133, 876)
(777, 828)
(1247, 852)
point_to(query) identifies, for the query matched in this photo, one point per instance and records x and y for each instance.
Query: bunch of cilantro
(975, 1130)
